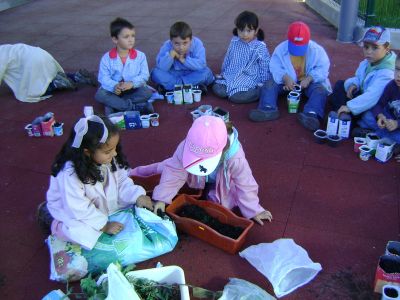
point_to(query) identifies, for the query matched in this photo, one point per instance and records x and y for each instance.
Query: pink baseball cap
(298, 38)
(204, 144)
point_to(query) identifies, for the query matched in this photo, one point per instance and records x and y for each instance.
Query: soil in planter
(199, 214)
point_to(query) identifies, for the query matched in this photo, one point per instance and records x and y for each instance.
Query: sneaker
(144, 108)
(85, 77)
(258, 115)
(309, 120)
(62, 82)
(44, 218)
(360, 132)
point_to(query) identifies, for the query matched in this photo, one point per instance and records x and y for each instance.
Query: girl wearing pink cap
(211, 158)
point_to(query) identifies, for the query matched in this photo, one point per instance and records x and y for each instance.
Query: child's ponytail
(260, 35)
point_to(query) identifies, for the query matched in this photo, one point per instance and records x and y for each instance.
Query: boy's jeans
(124, 102)
(369, 121)
(315, 92)
(169, 78)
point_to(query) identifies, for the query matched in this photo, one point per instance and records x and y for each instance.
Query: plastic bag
(239, 289)
(118, 286)
(284, 263)
(145, 236)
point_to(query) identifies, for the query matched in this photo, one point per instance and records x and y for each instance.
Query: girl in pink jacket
(211, 157)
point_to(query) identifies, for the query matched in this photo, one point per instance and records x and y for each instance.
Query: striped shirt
(245, 65)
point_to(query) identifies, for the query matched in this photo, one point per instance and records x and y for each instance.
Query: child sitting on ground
(123, 73)
(298, 60)
(384, 117)
(210, 158)
(360, 93)
(89, 182)
(181, 60)
(245, 65)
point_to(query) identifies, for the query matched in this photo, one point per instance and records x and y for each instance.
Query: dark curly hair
(85, 168)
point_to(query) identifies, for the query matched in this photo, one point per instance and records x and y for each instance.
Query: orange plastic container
(150, 182)
(204, 232)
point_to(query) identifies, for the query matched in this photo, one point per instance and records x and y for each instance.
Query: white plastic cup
(154, 119)
(145, 119)
(88, 111)
(196, 95)
(365, 152)
(196, 113)
(170, 97)
(390, 292)
(58, 129)
(29, 129)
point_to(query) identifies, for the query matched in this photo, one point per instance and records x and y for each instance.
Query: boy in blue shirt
(123, 73)
(181, 60)
(296, 60)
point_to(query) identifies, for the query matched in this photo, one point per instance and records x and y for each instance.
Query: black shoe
(85, 77)
(62, 82)
(161, 90)
(360, 132)
(309, 120)
(44, 218)
(258, 115)
(144, 108)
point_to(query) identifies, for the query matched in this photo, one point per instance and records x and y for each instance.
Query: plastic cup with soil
(333, 140)
(320, 136)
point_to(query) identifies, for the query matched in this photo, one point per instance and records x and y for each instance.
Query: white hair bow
(81, 128)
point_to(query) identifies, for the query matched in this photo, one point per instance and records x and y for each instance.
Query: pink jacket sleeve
(173, 177)
(243, 184)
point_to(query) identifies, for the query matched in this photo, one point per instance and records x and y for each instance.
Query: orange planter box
(150, 182)
(204, 232)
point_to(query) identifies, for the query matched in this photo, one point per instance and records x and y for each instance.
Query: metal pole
(370, 13)
(348, 20)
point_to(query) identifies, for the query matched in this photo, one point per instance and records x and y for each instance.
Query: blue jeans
(125, 101)
(315, 92)
(249, 96)
(369, 121)
(169, 78)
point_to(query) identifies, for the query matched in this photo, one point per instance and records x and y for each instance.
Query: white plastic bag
(118, 286)
(239, 289)
(285, 264)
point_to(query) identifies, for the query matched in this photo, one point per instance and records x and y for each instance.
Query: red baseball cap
(298, 38)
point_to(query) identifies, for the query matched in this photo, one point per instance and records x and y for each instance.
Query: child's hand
(289, 83)
(144, 201)
(306, 82)
(125, 86)
(343, 109)
(391, 125)
(112, 228)
(117, 89)
(174, 54)
(159, 205)
(350, 91)
(381, 122)
(265, 215)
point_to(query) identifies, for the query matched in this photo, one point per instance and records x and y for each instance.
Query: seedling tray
(204, 232)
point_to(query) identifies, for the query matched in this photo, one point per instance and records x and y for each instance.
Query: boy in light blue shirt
(123, 73)
(181, 60)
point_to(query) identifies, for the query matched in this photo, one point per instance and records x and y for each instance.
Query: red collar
(113, 53)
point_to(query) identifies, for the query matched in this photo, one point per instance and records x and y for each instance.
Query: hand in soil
(265, 215)
(159, 206)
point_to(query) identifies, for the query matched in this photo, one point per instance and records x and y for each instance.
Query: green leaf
(89, 286)
(202, 293)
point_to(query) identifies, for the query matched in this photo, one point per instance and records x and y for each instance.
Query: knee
(100, 95)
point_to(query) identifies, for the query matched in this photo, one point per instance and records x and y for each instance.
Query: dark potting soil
(391, 292)
(199, 214)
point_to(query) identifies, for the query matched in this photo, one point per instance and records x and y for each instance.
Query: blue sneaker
(260, 115)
